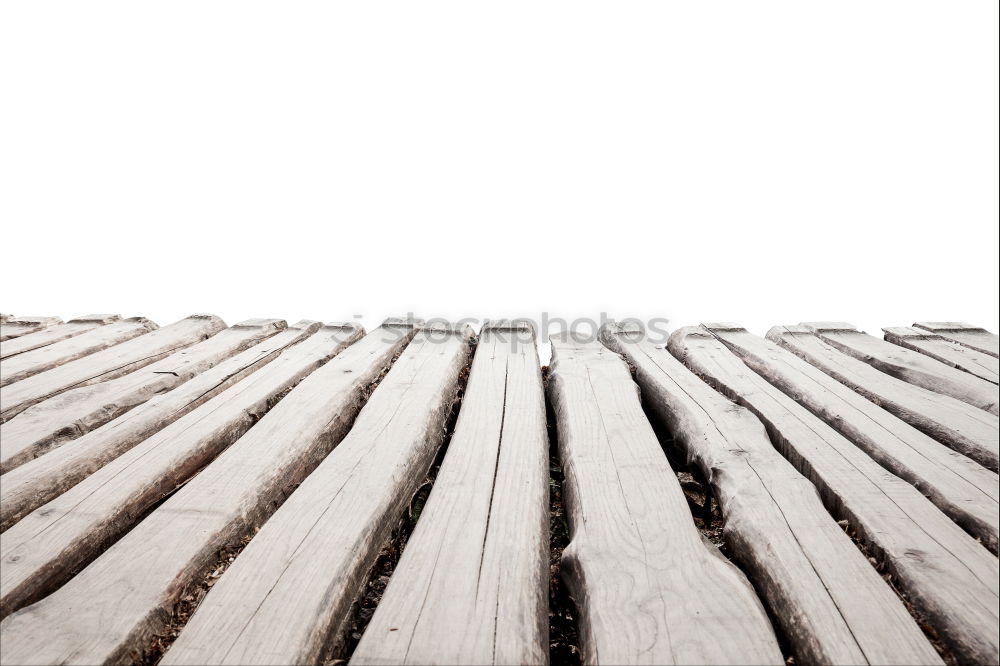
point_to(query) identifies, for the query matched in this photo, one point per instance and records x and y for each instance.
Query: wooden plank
(33, 362)
(472, 584)
(51, 423)
(909, 365)
(16, 327)
(108, 363)
(962, 488)
(830, 601)
(958, 425)
(958, 356)
(130, 589)
(55, 333)
(964, 334)
(648, 587)
(952, 581)
(47, 545)
(31, 485)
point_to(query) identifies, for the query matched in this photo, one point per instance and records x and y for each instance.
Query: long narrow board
(15, 327)
(284, 599)
(107, 364)
(909, 365)
(39, 481)
(55, 333)
(951, 580)
(472, 584)
(959, 486)
(832, 604)
(63, 417)
(47, 545)
(951, 353)
(967, 335)
(648, 587)
(33, 362)
(958, 425)
(129, 591)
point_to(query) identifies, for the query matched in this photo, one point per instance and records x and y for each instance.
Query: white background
(756, 162)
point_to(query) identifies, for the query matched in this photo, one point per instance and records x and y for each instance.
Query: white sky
(756, 162)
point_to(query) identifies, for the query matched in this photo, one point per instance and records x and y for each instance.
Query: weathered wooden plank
(648, 588)
(909, 365)
(16, 327)
(55, 333)
(958, 356)
(968, 335)
(130, 589)
(472, 585)
(31, 485)
(33, 362)
(107, 364)
(51, 423)
(959, 486)
(949, 578)
(958, 425)
(47, 545)
(830, 601)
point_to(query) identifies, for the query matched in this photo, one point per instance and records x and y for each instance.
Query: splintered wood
(197, 494)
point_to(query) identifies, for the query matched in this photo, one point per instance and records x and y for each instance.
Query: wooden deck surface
(202, 494)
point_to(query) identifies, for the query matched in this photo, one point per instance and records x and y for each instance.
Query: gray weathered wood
(107, 363)
(472, 585)
(16, 327)
(947, 351)
(54, 333)
(909, 365)
(950, 579)
(130, 589)
(33, 362)
(648, 588)
(51, 423)
(959, 486)
(958, 425)
(964, 334)
(31, 485)
(46, 546)
(831, 603)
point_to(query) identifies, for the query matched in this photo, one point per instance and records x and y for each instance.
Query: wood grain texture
(964, 334)
(131, 588)
(51, 423)
(909, 365)
(31, 485)
(472, 584)
(46, 546)
(958, 425)
(54, 333)
(951, 353)
(275, 605)
(15, 327)
(833, 606)
(648, 588)
(965, 490)
(951, 580)
(39, 360)
(107, 364)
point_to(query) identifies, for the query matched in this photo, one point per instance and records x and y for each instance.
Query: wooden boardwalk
(202, 494)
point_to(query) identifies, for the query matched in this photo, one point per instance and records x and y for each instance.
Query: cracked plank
(648, 588)
(15, 327)
(950, 579)
(108, 363)
(275, 605)
(966, 335)
(31, 485)
(130, 590)
(472, 584)
(830, 601)
(962, 488)
(55, 333)
(958, 425)
(951, 353)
